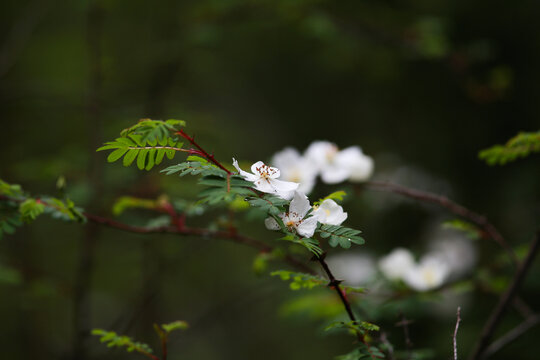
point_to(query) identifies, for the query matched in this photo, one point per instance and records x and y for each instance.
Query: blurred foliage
(520, 145)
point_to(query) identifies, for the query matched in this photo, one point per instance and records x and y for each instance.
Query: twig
(504, 301)
(335, 284)
(454, 338)
(512, 335)
(390, 349)
(405, 324)
(450, 205)
(204, 153)
(225, 235)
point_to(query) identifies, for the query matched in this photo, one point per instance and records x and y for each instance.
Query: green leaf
(470, 230)
(300, 280)
(141, 159)
(30, 209)
(114, 340)
(336, 196)
(339, 235)
(129, 202)
(176, 325)
(269, 204)
(151, 159)
(519, 146)
(116, 154)
(130, 156)
(159, 156)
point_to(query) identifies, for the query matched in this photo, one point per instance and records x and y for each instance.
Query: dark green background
(421, 84)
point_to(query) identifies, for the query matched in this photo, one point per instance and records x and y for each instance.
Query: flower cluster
(325, 159)
(301, 218)
(449, 257)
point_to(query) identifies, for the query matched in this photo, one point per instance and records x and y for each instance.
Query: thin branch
(404, 322)
(335, 284)
(389, 348)
(504, 301)
(204, 153)
(191, 151)
(188, 231)
(454, 338)
(512, 335)
(450, 205)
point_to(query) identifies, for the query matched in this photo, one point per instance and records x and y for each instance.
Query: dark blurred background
(419, 85)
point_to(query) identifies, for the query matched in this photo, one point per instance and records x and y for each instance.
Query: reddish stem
(203, 152)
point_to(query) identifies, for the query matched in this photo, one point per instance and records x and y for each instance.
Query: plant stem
(454, 338)
(512, 335)
(504, 301)
(203, 152)
(450, 205)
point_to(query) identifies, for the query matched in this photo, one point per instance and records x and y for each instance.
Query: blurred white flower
(329, 212)
(360, 165)
(396, 264)
(265, 179)
(456, 251)
(295, 220)
(336, 166)
(296, 168)
(429, 274)
(354, 268)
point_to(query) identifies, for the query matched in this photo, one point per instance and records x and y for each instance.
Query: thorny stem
(450, 205)
(454, 338)
(504, 301)
(335, 284)
(203, 152)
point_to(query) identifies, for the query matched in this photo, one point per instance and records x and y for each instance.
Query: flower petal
(284, 189)
(265, 186)
(263, 170)
(321, 152)
(299, 204)
(359, 164)
(307, 227)
(271, 224)
(330, 212)
(334, 174)
(247, 176)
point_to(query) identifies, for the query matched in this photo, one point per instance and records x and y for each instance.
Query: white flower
(329, 212)
(360, 165)
(354, 268)
(296, 168)
(265, 179)
(429, 274)
(456, 251)
(295, 220)
(336, 166)
(396, 264)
